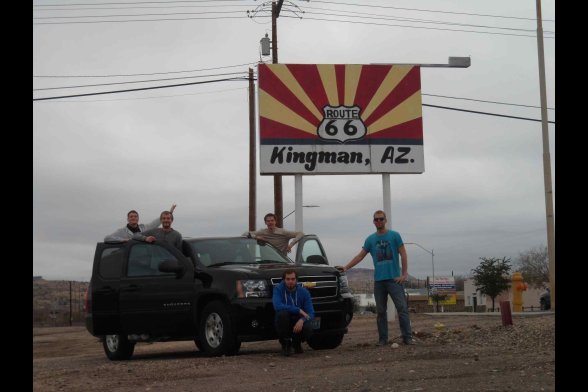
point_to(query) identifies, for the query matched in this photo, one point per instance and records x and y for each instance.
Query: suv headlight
(343, 284)
(253, 288)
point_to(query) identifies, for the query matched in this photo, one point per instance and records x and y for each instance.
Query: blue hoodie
(292, 301)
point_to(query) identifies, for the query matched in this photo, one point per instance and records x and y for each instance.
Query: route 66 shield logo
(341, 123)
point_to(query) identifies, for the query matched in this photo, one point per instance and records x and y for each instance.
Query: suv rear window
(111, 263)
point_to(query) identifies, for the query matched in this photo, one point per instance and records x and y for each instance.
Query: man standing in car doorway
(276, 236)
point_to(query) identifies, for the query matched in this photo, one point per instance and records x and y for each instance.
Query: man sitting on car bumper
(294, 310)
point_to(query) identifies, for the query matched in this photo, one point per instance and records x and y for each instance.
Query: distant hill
(355, 274)
(361, 280)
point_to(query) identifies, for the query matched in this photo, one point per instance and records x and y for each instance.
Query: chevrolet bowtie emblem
(309, 285)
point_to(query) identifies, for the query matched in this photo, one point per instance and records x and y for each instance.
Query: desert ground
(454, 352)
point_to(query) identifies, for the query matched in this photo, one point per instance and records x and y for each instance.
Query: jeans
(381, 290)
(285, 325)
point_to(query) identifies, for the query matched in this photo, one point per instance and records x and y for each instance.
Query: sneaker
(298, 348)
(381, 343)
(409, 341)
(286, 348)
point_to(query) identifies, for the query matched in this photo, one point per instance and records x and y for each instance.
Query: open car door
(311, 251)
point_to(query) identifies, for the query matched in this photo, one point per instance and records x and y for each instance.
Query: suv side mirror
(171, 266)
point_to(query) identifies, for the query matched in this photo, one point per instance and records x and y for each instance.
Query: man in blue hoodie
(294, 310)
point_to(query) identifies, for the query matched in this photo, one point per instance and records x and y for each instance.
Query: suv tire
(325, 342)
(216, 335)
(118, 347)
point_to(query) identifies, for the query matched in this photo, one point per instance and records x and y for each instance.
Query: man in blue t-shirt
(385, 246)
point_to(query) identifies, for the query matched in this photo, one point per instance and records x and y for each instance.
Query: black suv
(216, 291)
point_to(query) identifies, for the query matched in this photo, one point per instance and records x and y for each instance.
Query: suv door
(310, 250)
(152, 301)
(108, 265)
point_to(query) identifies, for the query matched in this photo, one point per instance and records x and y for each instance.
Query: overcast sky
(99, 156)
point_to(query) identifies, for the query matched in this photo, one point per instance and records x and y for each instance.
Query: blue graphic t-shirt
(384, 251)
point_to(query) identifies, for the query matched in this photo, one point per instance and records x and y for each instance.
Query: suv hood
(276, 269)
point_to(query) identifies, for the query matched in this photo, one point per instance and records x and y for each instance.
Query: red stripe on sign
(407, 87)
(272, 85)
(370, 80)
(310, 81)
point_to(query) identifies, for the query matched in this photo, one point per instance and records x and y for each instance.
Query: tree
(491, 276)
(533, 264)
(436, 297)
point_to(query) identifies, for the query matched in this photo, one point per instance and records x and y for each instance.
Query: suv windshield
(222, 251)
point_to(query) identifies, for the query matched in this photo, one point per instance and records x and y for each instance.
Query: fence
(58, 303)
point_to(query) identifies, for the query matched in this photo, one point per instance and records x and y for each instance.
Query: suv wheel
(118, 347)
(216, 335)
(325, 342)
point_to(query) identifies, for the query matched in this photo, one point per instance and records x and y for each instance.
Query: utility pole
(252, 161)
(70, 306)
(546, 159)
(278, 206)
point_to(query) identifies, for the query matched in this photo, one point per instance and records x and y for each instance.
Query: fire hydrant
(517, 291)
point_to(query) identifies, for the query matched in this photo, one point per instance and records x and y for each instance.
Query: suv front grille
(319, 286)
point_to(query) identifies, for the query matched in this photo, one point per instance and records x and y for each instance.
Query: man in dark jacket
(294, 310)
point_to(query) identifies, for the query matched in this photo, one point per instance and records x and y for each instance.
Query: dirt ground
(453, 353)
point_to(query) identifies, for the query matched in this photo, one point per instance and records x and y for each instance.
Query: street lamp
(452, 62)
(295, 211)
(428, 251)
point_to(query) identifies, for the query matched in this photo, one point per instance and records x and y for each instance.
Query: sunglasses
(379, 219)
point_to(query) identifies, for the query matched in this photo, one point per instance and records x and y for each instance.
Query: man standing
(294, 310)
(165, 233)
(133, 226)
(276, 236)
(385, 245)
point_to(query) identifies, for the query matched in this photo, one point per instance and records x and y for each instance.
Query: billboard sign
(340, 119)
(444, 286)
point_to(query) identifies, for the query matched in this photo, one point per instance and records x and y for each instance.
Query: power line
(136, 81)
(429, 10)
(480, 100)
(141, 89)
(391, 17)
(246, 79)
(140, 20)
(416, 27)
(144, 7)
(237, 73)
(357, 15)
(423, 21)
(131, 15)
(137, 2)
(152, 97)
(143, 74)
(252, 63)
(485, 113)
(381, 17)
